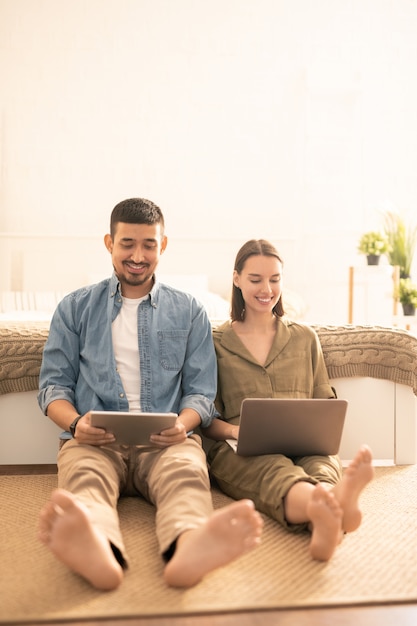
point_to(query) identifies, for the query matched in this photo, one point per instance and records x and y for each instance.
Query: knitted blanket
(21, 347)
(374, 351)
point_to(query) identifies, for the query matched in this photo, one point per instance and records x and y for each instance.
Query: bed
(373, 367)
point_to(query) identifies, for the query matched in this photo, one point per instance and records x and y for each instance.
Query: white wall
(290, 120)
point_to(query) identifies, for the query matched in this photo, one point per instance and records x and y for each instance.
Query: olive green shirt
(294, 368)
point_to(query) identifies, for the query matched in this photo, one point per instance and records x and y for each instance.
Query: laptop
(132, 428)
(290, 426)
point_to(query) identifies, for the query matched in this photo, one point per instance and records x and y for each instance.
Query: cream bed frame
(374, 368)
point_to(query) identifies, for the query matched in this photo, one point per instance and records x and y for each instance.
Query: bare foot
(226, 535)
(325, 515)
(355, 478)
(65, 527)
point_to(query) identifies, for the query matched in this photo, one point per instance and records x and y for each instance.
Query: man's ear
(108, 242)
(164, 244)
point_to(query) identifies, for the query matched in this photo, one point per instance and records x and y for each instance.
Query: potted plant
(407, 295)
(402, 242)
(373, 244)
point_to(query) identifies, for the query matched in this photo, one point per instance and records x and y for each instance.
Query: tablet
(132, 428)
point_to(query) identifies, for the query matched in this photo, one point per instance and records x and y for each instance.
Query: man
(132, 343)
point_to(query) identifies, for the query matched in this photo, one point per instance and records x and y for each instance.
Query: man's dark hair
(136, 211)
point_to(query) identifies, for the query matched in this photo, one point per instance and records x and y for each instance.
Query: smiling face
(260, 282)
(135, 251)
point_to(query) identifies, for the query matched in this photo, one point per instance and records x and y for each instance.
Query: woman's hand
(219, 430)
(234, 432)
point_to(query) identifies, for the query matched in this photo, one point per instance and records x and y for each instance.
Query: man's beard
(133, 280)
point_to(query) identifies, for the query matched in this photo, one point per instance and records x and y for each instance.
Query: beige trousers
(174, 479)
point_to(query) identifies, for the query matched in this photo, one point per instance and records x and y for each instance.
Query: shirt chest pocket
(172, 348)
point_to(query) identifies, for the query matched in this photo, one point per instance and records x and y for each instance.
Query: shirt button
(122, 395)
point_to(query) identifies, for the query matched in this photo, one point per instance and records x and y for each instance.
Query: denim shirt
(177, 359)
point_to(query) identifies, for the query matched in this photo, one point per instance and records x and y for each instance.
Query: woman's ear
(235, 278)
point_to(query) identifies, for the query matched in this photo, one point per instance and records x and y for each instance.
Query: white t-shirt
(126, 349)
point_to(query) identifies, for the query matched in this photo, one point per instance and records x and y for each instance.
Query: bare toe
(226, 535)
(325, 515)
(356, 476)
(65, 527)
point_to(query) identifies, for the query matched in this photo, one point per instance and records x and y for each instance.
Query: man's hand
(85, 433)
(170, 436)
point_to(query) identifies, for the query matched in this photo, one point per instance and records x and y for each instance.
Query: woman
(262, 354)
